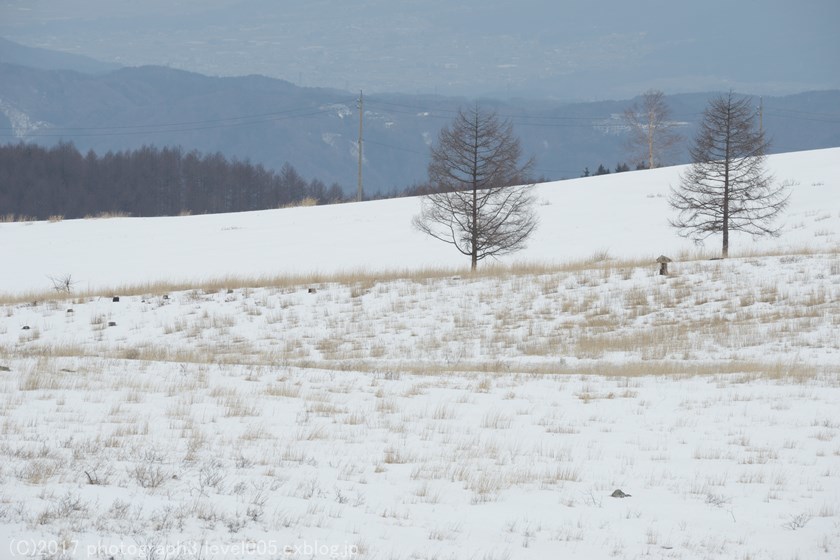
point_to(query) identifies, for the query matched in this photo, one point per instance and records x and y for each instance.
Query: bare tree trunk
(652, 119)
(726, 193)
(480, 202)
(652, 133)
(726, 188)
(474, 255)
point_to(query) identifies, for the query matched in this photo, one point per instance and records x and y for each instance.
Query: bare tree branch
(652, 132)
(726, 188)
(480, 202)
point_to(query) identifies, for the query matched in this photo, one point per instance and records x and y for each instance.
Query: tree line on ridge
(39, 183)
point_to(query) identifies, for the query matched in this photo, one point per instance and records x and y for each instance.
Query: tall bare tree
(479, 201)
(652, 132)
(726, 188)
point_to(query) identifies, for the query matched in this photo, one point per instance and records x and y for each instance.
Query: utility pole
(361, 121)
(761, 114)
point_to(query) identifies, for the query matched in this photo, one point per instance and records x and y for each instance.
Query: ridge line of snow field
(625, 215)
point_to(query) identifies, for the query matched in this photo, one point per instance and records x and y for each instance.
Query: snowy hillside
(425, 415)
(624, 215)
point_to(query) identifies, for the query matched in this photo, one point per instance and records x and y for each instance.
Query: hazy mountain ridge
(272, 122)
(533, 48)
(45, 59)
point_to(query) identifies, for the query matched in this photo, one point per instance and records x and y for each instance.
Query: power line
(832, 115)
(792, 117)
(521, 120)
(186, 123)
(173, 127)
(393, 147)
(554, 120)
(448, 113)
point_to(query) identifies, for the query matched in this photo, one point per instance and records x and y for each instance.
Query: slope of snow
(624, 214)
(483, 417)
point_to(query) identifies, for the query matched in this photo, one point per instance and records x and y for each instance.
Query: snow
(624, 214)
(22, 125)
(425, 415)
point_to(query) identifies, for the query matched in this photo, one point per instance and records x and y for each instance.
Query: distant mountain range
(569, 51)
(14, 53)
(49, 97)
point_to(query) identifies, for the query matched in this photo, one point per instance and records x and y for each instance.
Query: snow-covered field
(624, 215)
(425, 415)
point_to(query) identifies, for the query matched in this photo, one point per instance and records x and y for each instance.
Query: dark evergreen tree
(41, 182)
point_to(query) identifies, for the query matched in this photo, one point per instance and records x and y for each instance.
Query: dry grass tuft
(108, 215)
(12, 218)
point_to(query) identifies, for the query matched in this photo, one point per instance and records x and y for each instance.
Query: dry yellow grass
(608, 322)
(360, 280)
(12, 218)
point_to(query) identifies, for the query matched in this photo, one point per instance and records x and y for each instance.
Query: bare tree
(726, 188)
(652, 132)
(62, 284)
(479, 202)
